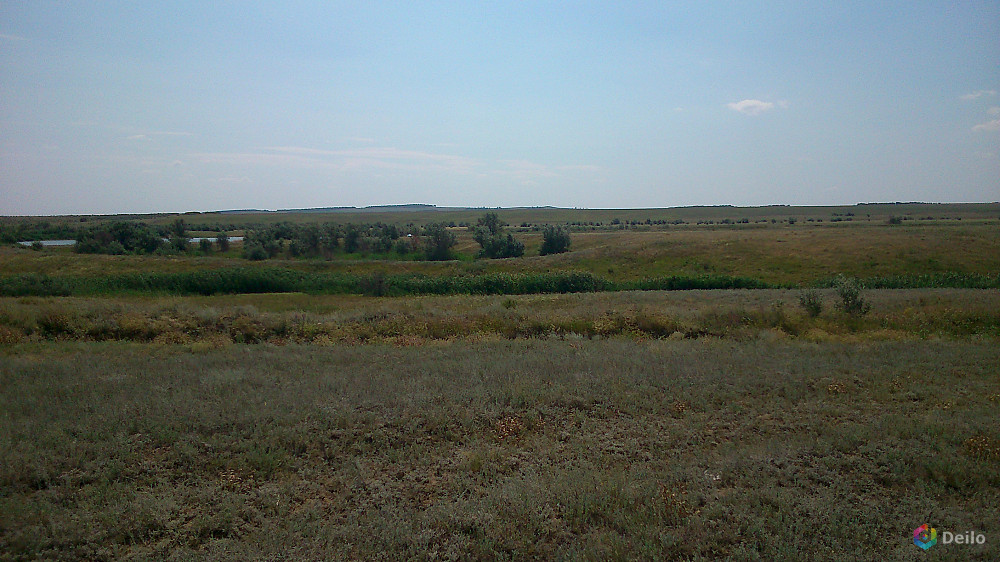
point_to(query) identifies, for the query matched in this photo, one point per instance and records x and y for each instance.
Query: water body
(49, 242)
(71, 242)
(212, 238)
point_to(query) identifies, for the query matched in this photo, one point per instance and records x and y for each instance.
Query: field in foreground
(695, 449)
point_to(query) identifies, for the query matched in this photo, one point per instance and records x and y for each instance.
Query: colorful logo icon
(925, 536)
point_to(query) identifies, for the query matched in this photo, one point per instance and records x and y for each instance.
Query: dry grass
(701, 449)
(297, 318)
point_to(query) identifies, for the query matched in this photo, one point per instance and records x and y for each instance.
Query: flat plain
(626, 424)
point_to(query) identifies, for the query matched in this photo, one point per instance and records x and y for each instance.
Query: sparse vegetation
(851, 301)
(811, 302)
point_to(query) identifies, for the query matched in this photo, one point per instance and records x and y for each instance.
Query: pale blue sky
(175, 106)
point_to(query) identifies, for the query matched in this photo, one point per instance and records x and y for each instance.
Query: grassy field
(780, 254)
(694, 449)
(139, 422)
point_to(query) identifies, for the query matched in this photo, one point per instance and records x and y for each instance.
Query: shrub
(375, 285)
(352, 238)
(178, 228)
(205, 245)
(440, 242)
(223, 241)
(37, 246)
(179, 243)
(555, 240)
(131, 237)
(851, 301)
(811, 303)
(895, 220)
(115, 248)
(494, 242)
(403, 246)
(255, 252)
(498, 246)
(33, 284)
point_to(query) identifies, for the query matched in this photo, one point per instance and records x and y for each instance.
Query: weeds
(811, 303)
(851, 301)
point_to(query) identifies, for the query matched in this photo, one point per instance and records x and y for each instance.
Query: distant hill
(368, 209)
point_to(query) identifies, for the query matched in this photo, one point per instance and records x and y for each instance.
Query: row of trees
(432, 242)
(122, 237)
(495, 242)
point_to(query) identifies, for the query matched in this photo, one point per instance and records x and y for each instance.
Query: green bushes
(851, 301)
(680, 283)
(279, 280)
(493, 240)
(555, 240)
(811, 302)
(120, 237)
(34, 285)
(948, 280)
(440, 242)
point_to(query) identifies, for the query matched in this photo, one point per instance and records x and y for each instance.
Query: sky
(122, 107)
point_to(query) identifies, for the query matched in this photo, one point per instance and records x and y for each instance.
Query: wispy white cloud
(752, 107)
(529, 173)
(148, 134)
(993, 125)
(234, 180)
(381, 159)
(978, 94)
(11, 37)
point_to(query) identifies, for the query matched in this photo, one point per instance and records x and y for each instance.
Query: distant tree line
(23, 230)
(129, 237)
(431, 242)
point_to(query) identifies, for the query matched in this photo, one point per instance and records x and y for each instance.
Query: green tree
(178, 228)
(223, 242)
(555, 240)
(493, 240)
(254, 251)
(352, 238)
(439, 242)
(179, 243)
(491, 222)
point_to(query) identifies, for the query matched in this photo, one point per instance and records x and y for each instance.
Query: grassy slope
(613, 449)
(299, 318)
(797, 254)
(877, 213)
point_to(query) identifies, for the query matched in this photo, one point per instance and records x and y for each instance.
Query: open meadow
(706, 389)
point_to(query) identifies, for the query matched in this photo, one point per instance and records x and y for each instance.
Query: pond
(71, 242)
